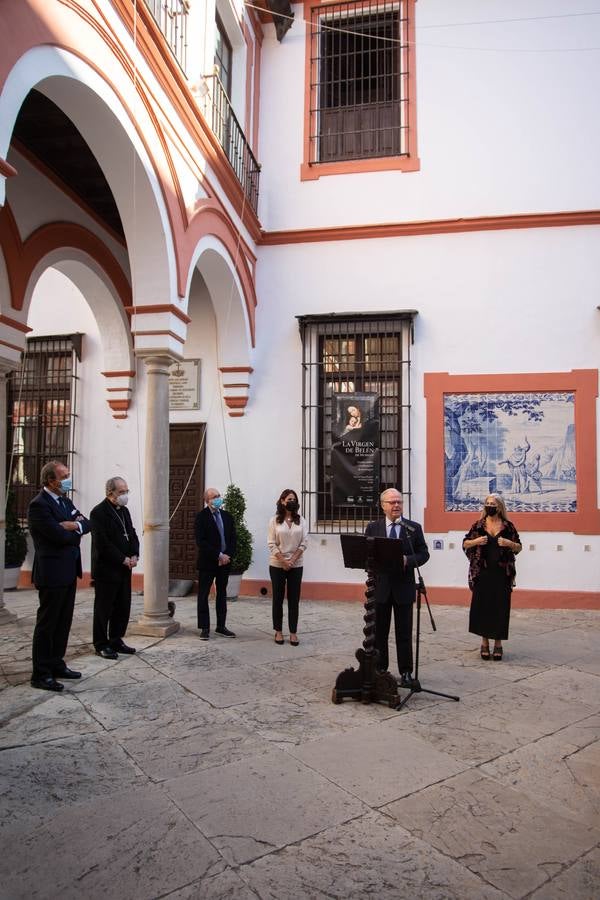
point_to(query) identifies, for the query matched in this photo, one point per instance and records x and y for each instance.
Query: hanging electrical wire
(323, 26)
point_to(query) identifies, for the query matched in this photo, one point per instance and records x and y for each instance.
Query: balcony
(230, 135)
(171, 18)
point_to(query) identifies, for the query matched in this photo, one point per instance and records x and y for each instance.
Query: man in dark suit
(395, 587)
(56, 527)
(115, 550)
(216, 542)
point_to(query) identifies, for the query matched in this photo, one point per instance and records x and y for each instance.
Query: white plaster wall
(103, 446)
(505, 124)
(490, 302)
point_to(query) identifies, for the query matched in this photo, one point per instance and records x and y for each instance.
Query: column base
(6, 616)
(154, 626)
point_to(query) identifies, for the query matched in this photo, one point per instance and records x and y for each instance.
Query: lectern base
(366, 684)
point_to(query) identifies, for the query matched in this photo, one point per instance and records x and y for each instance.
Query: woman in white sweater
(287, 540)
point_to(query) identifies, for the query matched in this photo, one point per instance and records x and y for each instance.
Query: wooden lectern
(368, 684)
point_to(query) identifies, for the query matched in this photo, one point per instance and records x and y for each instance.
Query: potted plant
(235, 504)
(15, 546)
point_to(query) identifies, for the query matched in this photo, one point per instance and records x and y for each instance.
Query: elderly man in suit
(56, 528)
(115, 550)
(216, 542)
(395, 587)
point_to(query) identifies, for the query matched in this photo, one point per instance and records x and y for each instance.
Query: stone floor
(221, 769)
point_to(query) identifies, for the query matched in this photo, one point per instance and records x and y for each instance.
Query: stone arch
(113, 131)
(233, 323)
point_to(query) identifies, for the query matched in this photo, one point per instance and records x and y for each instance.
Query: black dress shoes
(107, 653)
(204, 634)
(47, 684)
(225, 632)
(406, 680)
(122, 647)
(68, 674)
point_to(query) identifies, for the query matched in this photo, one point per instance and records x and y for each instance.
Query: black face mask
(292, 506)
(490, 510)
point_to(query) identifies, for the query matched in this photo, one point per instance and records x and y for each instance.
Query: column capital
(156, 359)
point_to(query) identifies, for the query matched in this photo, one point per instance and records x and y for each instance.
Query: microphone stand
(421, 592)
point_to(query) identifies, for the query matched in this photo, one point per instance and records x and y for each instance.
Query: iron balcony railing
(171, 17)
(230, 135)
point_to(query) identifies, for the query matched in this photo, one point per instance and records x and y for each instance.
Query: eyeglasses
(393, 502)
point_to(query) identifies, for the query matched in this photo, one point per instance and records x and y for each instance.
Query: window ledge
(312, 171)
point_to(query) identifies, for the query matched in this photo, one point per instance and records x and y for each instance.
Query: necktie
(393, 532)
(219, 524)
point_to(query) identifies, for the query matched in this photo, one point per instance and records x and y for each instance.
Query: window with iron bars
(354, 364)
(41, 407)
(359, 81)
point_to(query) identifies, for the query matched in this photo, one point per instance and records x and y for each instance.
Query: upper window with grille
(361, 92)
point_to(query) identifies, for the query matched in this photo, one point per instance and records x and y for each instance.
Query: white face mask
(122, 500)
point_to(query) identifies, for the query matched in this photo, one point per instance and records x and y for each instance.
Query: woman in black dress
(491, 545)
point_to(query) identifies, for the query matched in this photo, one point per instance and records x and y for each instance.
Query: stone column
(155, 619)
(5, 615)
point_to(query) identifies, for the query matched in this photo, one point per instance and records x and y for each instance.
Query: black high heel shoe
(484, 652)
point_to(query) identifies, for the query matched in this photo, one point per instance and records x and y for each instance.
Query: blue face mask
(217, 502)
(66, 485)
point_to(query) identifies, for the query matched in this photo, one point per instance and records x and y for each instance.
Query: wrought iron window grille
(344, 356)
(41, 413)
(359, 81)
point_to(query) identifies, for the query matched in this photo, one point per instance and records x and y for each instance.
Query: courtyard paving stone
(221, 770)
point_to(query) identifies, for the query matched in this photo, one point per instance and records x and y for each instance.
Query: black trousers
(220, 577)
(403, 622)
(52, 627)
(279, 579)
(112, 607)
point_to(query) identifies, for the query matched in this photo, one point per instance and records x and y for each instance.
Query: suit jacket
(208, 539)
(397, 585)
(109, 544)
(57, 560)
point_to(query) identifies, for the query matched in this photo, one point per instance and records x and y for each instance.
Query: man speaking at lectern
(395, 587)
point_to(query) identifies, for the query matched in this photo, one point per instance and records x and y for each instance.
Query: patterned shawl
(477, 559)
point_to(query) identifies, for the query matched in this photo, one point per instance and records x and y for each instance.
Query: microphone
(410, 528)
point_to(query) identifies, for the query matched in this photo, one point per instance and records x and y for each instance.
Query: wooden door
(184, 441)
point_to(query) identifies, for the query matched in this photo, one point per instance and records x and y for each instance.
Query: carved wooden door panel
(184, 441)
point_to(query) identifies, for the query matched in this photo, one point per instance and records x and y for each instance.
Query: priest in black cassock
(115, 551)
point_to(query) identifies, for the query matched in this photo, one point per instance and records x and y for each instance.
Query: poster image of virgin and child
(521, 445)
(355, 452)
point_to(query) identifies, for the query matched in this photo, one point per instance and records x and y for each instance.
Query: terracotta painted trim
(431, 226)
(159, 308)
(235, 384)
(173, 82)
(11, 346)
(51, 176)
(249, 66)
(236, 402)
(583, 382)
(235, 415)
(21, 258)
(236, 369)
(13, 323)
(256, 92)
(6, 169)
(124, 374)
(119, 390)
(119, 404)
(309, 171)
(163, 333)
(441, 596)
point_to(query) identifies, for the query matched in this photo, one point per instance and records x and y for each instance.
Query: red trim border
(584, 384)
